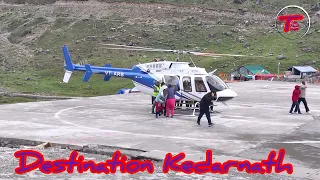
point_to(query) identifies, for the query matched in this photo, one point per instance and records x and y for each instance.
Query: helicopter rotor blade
(131, 47)
(219, 55)
(155, 50)
(137, 48)
(134, 48)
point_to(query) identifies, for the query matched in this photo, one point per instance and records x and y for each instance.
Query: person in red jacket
(295, 98)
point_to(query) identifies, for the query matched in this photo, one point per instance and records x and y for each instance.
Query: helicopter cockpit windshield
(216, 84)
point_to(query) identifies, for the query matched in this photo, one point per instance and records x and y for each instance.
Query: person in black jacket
(205, 107)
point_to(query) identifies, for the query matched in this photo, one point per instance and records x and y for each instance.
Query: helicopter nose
(226, 94)
(234, 94)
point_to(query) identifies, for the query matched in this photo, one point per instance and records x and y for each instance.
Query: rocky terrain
(32, 35)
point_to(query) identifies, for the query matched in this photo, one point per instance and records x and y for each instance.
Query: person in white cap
(302, 97)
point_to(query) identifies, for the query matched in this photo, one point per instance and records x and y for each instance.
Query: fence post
(194, 109)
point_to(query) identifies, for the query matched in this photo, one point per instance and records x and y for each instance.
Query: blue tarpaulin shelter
(127, 90)
(123, 91)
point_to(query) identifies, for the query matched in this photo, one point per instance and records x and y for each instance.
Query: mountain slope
(32, 37)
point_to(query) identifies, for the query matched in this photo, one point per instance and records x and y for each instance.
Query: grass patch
(18, 33)
(12, 100)
(48, 82)
(16, 23)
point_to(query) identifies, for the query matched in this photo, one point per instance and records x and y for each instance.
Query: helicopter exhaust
(212, 72)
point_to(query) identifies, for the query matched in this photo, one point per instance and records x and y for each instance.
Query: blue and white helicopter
(194, 82)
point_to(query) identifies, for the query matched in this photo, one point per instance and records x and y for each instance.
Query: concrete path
(252, 125)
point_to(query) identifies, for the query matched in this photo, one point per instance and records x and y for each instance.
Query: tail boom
(134, 74)
(106, 71)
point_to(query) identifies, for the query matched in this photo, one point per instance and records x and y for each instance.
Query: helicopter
(193, 82)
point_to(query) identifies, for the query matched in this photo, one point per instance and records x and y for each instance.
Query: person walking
(295, 98)
(205, 104)
(302, 97)
(156, 89)
(171, 100)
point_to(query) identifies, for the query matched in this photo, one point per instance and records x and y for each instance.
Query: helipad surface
(253, 124)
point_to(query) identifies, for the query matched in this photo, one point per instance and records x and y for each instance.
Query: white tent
(134, 90)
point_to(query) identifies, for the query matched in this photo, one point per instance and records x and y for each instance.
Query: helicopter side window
(200, 87)
(187, 84)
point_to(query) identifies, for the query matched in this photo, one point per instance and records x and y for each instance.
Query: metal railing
(184, 103)
(195, 107)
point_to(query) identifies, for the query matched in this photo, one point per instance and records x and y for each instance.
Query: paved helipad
(252, 125)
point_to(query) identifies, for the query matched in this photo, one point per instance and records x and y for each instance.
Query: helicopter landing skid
(225, 104)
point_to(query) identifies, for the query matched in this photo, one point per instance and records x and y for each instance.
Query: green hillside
(32, 37)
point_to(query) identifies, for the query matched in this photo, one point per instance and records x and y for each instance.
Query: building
(301, 71)
(248, 72)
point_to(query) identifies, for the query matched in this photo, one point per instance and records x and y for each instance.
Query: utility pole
(278, 69)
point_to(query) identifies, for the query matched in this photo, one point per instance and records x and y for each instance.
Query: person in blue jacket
(160, 102)
(171, 100)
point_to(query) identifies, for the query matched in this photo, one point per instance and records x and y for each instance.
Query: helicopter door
(173, 80)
